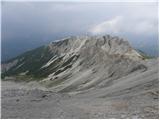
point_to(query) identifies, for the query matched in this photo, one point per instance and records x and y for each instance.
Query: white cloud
(127, 25)
(107, 26)
(145, 27)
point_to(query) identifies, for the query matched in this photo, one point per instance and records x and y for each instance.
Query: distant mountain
(107, 56)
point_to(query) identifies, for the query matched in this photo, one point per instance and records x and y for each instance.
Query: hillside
(92, 75)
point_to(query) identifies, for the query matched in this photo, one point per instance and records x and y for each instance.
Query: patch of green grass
(26, 78)
(32, 61)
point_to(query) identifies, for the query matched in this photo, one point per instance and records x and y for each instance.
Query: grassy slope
(31, 61)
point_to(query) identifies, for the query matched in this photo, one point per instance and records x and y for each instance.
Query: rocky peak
(111, 45)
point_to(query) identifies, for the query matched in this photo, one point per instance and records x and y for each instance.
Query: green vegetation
(30, 61)
(26, 78)
(31, 64)
(23, 78)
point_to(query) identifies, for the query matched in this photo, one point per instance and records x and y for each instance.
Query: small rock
(43, 96)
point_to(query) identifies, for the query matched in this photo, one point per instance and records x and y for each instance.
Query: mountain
(45, 60)
(86, 60)
(98, 76)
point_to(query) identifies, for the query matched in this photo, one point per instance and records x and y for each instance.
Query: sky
(27, 25)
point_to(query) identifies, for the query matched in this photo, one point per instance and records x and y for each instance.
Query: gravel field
(26, 102)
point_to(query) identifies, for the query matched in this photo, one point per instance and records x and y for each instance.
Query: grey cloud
(37, 23)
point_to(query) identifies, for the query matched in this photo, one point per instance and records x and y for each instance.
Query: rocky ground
(22, 101)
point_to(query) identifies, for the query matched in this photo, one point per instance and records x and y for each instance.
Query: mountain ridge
(53, 49)
(77, 62)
